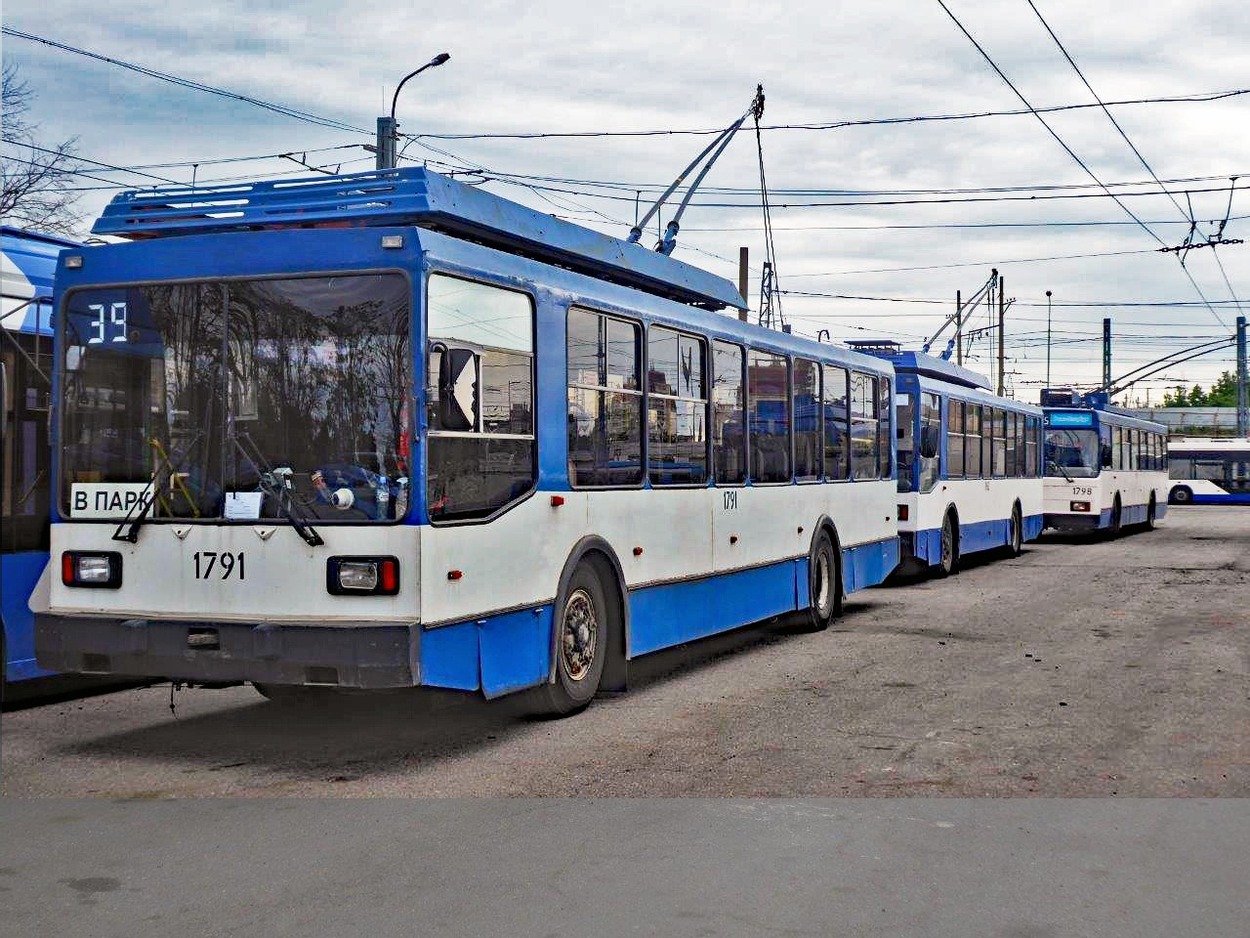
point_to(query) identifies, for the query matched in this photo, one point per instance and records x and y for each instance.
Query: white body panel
(513, 561)
(975, 500)
(1133, 487)
(284, 578)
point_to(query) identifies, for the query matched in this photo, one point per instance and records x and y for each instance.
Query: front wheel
(1182, 495)
(824, 584)
(1016, 538)
(1116, 517)
(583, 620)
(1150, 513)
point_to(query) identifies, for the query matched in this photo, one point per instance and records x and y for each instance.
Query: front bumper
(362, 655)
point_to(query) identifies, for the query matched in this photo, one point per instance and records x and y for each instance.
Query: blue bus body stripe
(18, 574)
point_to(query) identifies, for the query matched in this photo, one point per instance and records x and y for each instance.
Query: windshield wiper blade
(277, 485)
(128, 530)
(1062, 472)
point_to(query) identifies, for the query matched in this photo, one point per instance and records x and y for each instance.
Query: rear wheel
(1016, 533)
(949, 561)
(824, 584)
(1182, 495)
(585, 618)
(1150, 513)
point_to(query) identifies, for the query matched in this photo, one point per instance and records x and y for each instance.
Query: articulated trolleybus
(29, 263)
(969, 477)
(1209, 471)
(1105, 468)
(387, 430)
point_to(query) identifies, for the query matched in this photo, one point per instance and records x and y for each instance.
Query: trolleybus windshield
(275, 398)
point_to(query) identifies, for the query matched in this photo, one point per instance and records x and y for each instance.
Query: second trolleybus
(969, 477)
(1105, 468)
(389, 430)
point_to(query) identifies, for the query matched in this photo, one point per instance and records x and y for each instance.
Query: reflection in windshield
(246, 399)
(1072, 453)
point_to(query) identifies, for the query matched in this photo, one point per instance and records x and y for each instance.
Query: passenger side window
(676, 408)
(807, 429)
(864, 439)
(955, 439)
(884, 409)
(837, 414)
(605, 400)
(972, 440)
(729, 454)
(768, 401)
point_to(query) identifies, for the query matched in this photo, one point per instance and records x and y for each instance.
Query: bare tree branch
(35, 181)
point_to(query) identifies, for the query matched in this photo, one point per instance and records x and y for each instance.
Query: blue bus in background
(25, 471)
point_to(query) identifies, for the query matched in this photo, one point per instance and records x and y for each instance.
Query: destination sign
(1069, 418)
(107, 499)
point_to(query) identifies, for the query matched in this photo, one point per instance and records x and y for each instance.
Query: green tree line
(1222, 394)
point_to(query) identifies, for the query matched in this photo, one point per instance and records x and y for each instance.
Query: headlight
(102, 569)
(378, 576)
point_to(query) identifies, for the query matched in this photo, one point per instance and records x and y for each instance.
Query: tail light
(1080, 506)
(92, 569)
(362, 576)
(902, 512)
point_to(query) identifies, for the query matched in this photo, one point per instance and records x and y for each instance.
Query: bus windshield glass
(1072, 453)
(249, 399)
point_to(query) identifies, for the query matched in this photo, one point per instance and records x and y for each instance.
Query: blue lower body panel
(1237, 499)
(18, 575)
(496, 654)
(978, 536)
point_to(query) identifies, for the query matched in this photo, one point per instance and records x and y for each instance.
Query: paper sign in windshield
(107, 499)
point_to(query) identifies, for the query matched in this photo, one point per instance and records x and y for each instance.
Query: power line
(189, 83)
(834, 125)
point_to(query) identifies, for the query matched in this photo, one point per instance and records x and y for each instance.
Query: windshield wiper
(128, 530)
(1061, 470)
(276, 483)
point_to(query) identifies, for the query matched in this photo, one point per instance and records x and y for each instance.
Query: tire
(1015, 539)
(1116, 515)
(824, 584)
(584, 626)
(949, 561)
(1182, 495)
(1150, 513)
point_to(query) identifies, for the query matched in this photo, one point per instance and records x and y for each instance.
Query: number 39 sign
(105, 320)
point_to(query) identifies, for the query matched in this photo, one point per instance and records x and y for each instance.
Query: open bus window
(930, 441)
(480, 398)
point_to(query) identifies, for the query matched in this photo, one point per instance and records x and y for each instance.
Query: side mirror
(929, 447)
(458, 389)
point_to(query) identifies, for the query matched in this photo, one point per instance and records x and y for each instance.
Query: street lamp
(388, 128)
(1047, 338)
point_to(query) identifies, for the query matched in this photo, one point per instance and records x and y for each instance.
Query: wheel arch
(824, 524)
(597, 551)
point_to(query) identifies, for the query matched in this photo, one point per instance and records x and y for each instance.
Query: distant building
(1192, 421)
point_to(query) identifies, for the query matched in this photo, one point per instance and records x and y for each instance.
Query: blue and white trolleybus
(388, 430)
(1209, 471)
(1105, 468)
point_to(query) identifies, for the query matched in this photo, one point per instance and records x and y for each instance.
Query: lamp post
(1047, 338)
(388, 127)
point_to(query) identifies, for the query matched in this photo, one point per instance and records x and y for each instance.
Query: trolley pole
(1106, 353)
(743, 253)
(1243, 384)
(959, 324)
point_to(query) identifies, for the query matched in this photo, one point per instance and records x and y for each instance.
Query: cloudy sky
(967, 194)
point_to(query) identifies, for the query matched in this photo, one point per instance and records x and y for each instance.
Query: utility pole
(742, 282)
(1106, 353)
(959, 324)
(1047, 338)
(1001, 345)
(1243, 384)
